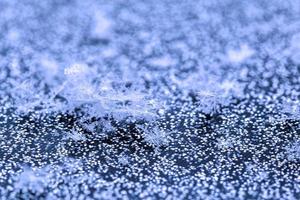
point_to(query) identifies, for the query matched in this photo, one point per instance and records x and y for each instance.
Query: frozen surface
(149, 99)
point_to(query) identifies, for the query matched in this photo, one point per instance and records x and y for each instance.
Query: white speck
(50, 66)
(75, 69)
(75, 135)
(162, 62)
(13, 36)
(237, 56)
(102, 25)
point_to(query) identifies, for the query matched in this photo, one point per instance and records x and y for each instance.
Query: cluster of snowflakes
(149, 99)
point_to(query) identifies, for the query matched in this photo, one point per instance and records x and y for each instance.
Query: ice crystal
(154, 135)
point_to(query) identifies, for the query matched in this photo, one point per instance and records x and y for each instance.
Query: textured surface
(149, 99)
